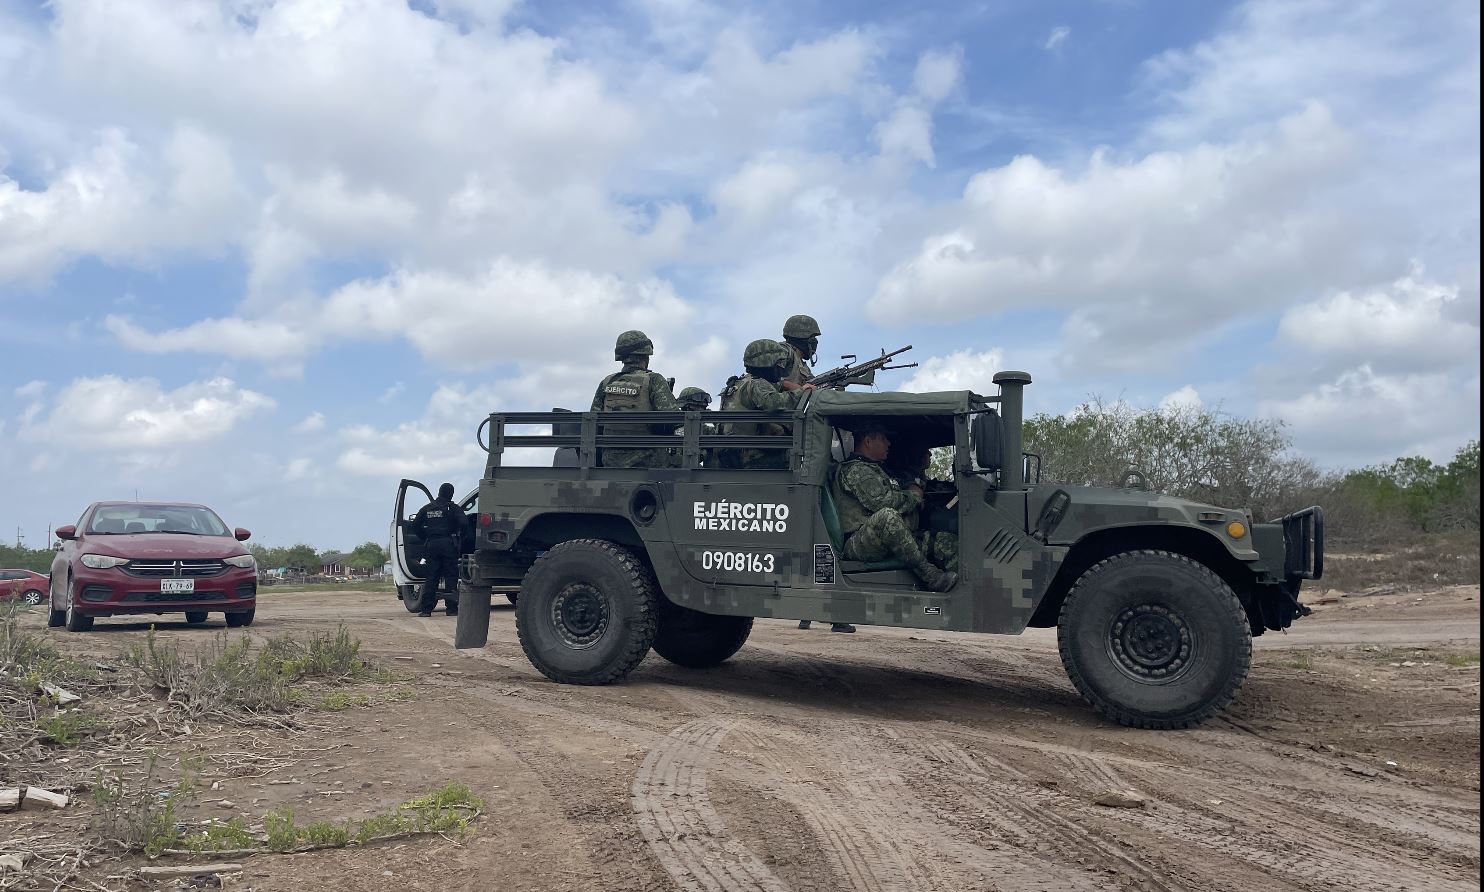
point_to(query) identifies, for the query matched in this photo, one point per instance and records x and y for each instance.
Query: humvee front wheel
(699, 640)
(586, 612)
(1154, 640)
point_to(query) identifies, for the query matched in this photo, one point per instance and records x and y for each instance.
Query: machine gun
(862, 373)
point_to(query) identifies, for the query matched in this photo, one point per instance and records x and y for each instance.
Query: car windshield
(146, 518)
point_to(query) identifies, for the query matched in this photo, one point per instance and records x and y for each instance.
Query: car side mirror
(67, 532)
(241, 534)
(989, 441)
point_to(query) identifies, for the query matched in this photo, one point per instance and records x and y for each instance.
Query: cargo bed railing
(690, 438)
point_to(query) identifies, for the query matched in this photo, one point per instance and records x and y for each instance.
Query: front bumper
(113, 591)
(1303, 544)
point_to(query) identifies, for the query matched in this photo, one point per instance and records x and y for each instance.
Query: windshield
(145, 518)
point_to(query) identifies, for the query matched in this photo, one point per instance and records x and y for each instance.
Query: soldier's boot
(842, 627)
(935, 579)
(804, 623)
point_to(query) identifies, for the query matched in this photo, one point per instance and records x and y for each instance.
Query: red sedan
(23, 585)
(151, 557)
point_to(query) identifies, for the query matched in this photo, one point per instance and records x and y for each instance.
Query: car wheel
(586, 614)
(699, 640)
(1154, 640)
(411, 597)
(32, 597)
(195, 617)
(241, 618)
(77, 621)
(54, 617)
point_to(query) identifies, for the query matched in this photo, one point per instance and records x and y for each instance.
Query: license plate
(168, 586)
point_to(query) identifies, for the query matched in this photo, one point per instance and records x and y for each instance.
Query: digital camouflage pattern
(750, 393)
(755, 543)
(634, 389)
(873, 508)
(632, 343)
(693, 399)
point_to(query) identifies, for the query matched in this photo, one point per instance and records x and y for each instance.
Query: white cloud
(938, 73)
(109, 412)
(280, 343)
(298, 468)
(312, 423)
(963, 370)
(31, 390)
(1146, 250)
(907, 132)
(1186, 397)
(391, 393)
(1056, 38)
(1413, 323)
(1362, 416)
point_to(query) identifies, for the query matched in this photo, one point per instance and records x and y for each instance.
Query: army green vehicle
(1155, 598)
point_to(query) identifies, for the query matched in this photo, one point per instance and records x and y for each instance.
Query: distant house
(332, 563)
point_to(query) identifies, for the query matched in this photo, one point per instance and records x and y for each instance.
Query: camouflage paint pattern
(754, 543)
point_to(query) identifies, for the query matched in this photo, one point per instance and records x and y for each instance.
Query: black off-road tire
(586, 614)
(241, 618)
(1154, 640)
(699, 640)
(195, 617)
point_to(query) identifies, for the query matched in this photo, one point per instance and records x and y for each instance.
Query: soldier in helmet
(762, 389)
(694, 399)
(801, 334)
(634, 388)
(873, 507)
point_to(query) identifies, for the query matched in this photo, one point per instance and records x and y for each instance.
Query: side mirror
(67, 532)
(988, 433)
(241, 534)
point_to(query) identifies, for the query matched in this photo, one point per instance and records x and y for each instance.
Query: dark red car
(23, 585)
(151, 557)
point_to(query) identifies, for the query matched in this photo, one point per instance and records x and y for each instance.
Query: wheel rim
(32, 597)
(1151, 643)
(580, 615)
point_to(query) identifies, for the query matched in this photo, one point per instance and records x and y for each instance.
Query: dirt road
(894, 760)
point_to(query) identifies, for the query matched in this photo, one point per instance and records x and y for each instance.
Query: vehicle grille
(173, 597)
(182, 568)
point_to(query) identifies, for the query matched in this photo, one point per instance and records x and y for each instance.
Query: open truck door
(407, 550)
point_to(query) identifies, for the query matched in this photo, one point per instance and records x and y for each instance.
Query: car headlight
(102, 561)
(242, 560)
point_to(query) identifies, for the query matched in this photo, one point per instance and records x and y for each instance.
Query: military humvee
(1155, 598)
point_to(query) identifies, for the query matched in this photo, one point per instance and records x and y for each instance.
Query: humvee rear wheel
(699, 640)
(586, 612)
(1154, 640)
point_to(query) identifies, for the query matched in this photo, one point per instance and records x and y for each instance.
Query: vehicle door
(407, 548)
(9, 583)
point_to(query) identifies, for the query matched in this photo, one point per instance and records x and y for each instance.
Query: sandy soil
(885, 760)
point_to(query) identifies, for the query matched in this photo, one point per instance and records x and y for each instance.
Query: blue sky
(275, 255)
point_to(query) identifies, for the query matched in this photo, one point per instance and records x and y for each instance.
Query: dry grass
(1439, 560)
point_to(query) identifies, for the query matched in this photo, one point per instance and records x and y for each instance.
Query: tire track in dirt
(677, 820)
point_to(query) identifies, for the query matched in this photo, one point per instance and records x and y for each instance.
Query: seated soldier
(910, 462)
(873, 506)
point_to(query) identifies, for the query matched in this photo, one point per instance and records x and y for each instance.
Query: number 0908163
(737, 561)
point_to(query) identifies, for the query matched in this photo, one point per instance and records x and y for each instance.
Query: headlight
(102, 561)
(243, 560)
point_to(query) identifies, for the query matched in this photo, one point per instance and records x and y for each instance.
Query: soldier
(634, 388)
(440, 524)
(762, 389)
(801, 334)
(872, 505)
(694, 399)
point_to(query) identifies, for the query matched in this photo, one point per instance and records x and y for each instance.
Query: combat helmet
(632, 343)
(693, 396)
(766, 354)
(801, 327)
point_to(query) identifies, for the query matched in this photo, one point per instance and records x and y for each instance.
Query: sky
(275, 256)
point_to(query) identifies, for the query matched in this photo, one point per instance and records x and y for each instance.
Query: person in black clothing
(440, 523)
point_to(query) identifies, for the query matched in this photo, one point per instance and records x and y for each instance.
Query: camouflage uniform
(804, 329)
(636, 389)
(872, 506)
(754, 393)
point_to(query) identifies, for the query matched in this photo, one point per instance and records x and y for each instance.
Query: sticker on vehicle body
(932, 611)
(824, 564)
